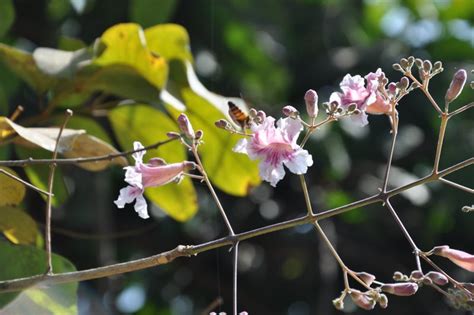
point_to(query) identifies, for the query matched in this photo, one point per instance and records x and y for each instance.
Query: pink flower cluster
(154, 173)
(275, 147)
(367, 97)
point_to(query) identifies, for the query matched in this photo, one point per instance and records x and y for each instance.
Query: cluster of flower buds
(187, 131)
(461, 297)
(468, 208)
(335, 110)
(426, 70)
(365, 300)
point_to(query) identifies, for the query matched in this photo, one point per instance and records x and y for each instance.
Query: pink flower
(460, 258)
(275, 147)
(154, 173)
(400, 289)
(368, 99)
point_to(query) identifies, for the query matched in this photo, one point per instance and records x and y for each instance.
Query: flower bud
(185, 126)
(223, 124)
(456, 86)
(311, 100)
(400, 289)
(397, 276)
(366, 277)
(397, 67)
(404, 82)
(437, 277)
(383, 301)
(199, 134)
(290, 111)
(427, 66)
(338, 304)
(392, 88)
(460, 258)
(173, 135)
(261, 116)
(416, 275)
(362, 300)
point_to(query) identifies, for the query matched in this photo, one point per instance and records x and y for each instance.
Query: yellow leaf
(171, 41)
(17, 226)
(90, 146)
(12, 191)
(126, 45)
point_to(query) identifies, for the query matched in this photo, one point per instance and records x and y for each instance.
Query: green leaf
(12, 191)
(22, 64)
(7, 16)
(232, 172)
(25, 261)
(17, 226)
(148, 125)
(126, 45)
(151, 12)
(171, 41)
(38, 174)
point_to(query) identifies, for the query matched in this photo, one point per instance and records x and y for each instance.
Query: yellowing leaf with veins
(17, 226)
(12, 191)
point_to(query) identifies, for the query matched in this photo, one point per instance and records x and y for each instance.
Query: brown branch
(49, 201)
(182, 251)
(30, 161)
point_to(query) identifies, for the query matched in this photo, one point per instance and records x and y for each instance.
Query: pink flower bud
(362, 300)
(383, 301)
(456, 86)
(290, 111)
(416, 275)
(173, 135)
(400, 289)
(261, 116)
(311, 100)
(223, 124)
(460, 258)
(437, 277)
(366, 277)
(185, 126)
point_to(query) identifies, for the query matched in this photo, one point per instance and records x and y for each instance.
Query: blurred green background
(271, 52)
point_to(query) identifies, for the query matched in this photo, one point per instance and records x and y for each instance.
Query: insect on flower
(238, 116)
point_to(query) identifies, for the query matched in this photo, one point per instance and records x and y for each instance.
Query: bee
(238, 116)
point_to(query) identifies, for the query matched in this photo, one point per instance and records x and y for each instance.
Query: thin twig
(31, 161)
(392, 148)
(25, 183)
(461, 109)
(439, 145)
(405, 233)
(424, 88)
(182, 251)
(235, 277)
(456, 185)
(307, 199)
(49, 201)
(217, 302)
(211, 189)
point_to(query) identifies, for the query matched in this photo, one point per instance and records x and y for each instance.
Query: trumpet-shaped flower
(154, 173)
(367, 98)
(459, 257)
(275, 147)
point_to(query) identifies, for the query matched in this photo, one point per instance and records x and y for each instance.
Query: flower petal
(133, 176)
(361, 119)
(270, 173)
(127, 195)
(299, 162)
(141, 207)
(241, 146)
(160, 175)
(138, 156)
(290, 128)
